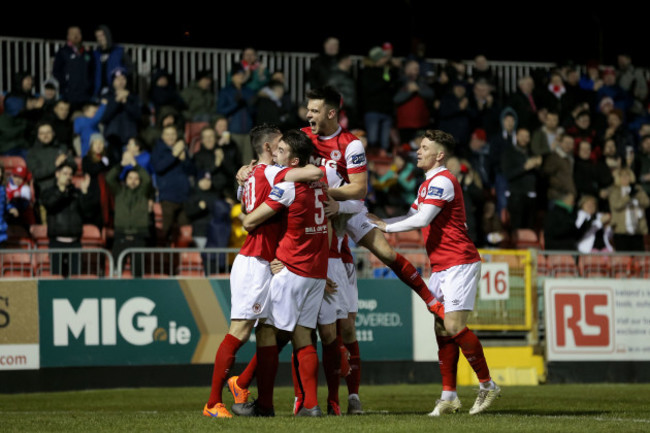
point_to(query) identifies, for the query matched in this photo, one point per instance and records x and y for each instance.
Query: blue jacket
(85, 127)
(115, 60)
(4, 207)
(172, 174)
(238, 109)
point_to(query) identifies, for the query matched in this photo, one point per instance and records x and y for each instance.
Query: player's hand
(378, 222)
(276, 266)
(244, 173)
(330, 286)
(13, 211)
(437, 309)
(331, 207)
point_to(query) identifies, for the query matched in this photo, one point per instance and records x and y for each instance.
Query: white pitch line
(595, 418)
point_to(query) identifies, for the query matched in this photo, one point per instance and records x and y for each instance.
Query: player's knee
(241, 329)
(348, 330)
(327, 333)
(377, 244)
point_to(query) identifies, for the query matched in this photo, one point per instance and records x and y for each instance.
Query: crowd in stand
(566, 155)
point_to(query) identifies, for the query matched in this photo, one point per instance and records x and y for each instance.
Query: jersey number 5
(319, 216)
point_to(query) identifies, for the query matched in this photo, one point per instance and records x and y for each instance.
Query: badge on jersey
(435, 191)
(359, 158)
(335, 155)
(276, 192)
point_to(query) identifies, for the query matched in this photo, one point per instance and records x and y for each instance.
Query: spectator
(256, 74)
(600, 122)
(627, 203)
(72, 68)
(323, 64)
(269, 106)
(108, 57)
(557, 169)
(13, 135)
(61, 123)
(198, 208)
(199, 98)
(173, 168)
(6, 209)
(221, 159)
(560, 231)
(412, 102)
(616, 131)
(591, 176)
(396, 189)
(88, 124)
(482, 72)
(633, 81)
(19, 195)
(553, 97)
(42, 159)
(235, 102)
(478, 155)
(472, 196)
(582, 130)
(96, 164)
(50, 95)
(524, 102)
(455, 115)
(167, 116)
(67, 207)
(596, 233)
(483, 108)
(520, 169)
(591, 81)
(136, 147)
(122, 114)
(545, 138)
(419, 54)
(492, 226)
(342, 80)
(643, 164)
(504, 140)
(132, 208)
(164, 93)
(611, 156)
(21, 101)
(611, 89)
(387, 47)
(378, 80)
(574, 95)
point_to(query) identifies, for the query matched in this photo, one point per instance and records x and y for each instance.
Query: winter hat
(20, 171)
(376, 53)
(119, 71)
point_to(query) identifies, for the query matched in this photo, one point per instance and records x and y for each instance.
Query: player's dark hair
(328, 94)
(444, 139)
(261, 134)
(300, 144)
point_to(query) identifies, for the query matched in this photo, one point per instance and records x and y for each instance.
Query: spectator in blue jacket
(107, 58)
(88, 123)
(173, 168)
(5, 207)
(235, 102)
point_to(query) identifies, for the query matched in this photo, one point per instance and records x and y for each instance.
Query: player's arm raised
(308, 173)
(357, 189)
(414, 221)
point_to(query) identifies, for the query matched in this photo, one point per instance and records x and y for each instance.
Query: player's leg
(331, 365)
(267, 366)
(307, 362)
(448, 354)
(349, 339)
(461, 283)
(238, 334)
(375, 242)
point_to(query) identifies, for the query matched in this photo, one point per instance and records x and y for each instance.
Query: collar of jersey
(338, 131)
(434, 171)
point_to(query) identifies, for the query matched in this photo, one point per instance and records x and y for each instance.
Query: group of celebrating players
(295, 274)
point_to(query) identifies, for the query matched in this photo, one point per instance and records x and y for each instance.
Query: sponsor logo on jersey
(435, 191)
(335, 155)
(359, 158)
(277, 192)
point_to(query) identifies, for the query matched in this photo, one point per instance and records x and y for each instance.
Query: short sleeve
(281, 196)
(355, 157)
(439, 191)
(271, 173)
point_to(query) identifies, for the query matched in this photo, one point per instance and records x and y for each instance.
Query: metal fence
(37, 57)
(56, 263)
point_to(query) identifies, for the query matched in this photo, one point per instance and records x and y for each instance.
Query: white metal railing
(56, 263)
(37, 57)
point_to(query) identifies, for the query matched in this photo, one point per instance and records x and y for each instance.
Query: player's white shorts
(351, 292)
(334, 306)
(358, 225)
(250, 278)
(456, 287)
(295, 300)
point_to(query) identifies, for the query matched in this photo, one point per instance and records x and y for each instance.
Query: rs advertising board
(597, 320)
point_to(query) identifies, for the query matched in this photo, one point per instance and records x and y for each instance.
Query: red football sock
(267, 368)
(223, 362)
(297, 384)
(332, 368)
(246, 377)
(412, 278)
(448, 354)
(354, 378)
(473, 351)
(308, 371)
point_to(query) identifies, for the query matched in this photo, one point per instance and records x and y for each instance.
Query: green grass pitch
(390, 408)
